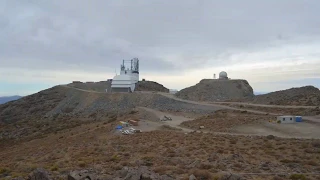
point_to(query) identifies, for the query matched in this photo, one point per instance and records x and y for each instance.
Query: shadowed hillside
(302, 96)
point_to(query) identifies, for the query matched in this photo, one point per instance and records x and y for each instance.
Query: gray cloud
(168, 36)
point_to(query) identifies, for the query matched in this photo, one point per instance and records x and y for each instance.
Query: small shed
(286, 119)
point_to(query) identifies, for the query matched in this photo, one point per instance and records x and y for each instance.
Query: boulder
(192, 177)
(81, 175)
(39, 174)
(141, 172)
(229, 176)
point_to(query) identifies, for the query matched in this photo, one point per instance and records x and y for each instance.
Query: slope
(61, 107)
(150, 86)
(302, 96)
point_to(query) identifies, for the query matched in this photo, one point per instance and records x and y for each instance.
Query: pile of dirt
(217, 90)
(150, 86)
(302, 96)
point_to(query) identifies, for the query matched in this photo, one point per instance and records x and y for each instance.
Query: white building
(286, 119)
(223, 75)
(126, 81)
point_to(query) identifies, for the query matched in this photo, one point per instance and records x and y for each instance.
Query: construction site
(127, 128)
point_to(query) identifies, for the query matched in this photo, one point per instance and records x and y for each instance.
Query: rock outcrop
(82, 175)
(142, 172)
(39, 174)
(217, 90)
(150, 86)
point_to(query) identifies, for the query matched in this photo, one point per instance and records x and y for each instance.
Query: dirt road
(176, 120)
(299, 130)
(263, 105)
(295, 130)
(314, 119)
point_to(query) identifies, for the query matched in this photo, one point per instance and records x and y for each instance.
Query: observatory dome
(223, 75)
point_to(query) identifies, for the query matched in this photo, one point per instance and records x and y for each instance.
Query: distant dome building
(223, 75)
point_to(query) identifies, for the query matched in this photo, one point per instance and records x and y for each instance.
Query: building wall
(125, 89)
(286, 119)
(125, 81)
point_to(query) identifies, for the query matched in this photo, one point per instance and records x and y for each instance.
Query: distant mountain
(8, 98)
(260, 93)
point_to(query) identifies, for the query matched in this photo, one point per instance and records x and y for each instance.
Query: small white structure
(126, 81)
(223, 75)
(286, 119)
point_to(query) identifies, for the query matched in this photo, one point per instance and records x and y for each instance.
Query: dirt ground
(235, 122)
(296, 130)
(165, 152)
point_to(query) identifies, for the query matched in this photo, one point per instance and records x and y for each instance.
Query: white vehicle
(166, 118)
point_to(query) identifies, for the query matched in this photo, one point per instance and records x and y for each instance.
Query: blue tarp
(298, 119)
(119, 127)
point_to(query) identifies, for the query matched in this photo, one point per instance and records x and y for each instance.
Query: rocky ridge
(150, 86)
(302, 96)
(217, 90)
(102, 86)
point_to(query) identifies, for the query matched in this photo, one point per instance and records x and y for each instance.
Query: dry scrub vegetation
(293, 111)
(224, 120)
(166, 152)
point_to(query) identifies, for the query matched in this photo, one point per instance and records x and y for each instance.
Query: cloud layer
(178, 42)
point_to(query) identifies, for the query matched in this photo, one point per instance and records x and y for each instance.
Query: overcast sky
(274, 44)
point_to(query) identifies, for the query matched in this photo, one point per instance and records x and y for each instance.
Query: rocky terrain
(302, 96)
(217, 90)
(92, 149)
(150, 86)
(68, 132)
(282, 111)
(48, 110)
